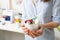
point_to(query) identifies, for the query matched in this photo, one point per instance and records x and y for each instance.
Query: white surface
(4, 4)
(14, 27)
(11, 27)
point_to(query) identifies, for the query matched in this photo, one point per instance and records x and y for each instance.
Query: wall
(4, 4)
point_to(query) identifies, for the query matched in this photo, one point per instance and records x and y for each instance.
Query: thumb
(40, 30)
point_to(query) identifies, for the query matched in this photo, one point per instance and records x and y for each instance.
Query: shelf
(11, 27)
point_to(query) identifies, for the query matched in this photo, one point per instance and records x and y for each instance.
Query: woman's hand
(40, 30)
(33, 33)
(29, 32)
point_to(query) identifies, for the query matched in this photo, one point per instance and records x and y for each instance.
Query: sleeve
(56, 11)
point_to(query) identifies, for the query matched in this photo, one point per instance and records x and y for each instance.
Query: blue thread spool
(7, 18)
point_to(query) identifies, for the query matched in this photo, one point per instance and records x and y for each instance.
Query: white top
(47, 11)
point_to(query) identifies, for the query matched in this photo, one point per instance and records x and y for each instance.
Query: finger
(22, 25)
(24, 28)
(35, 33)
(39, 32)
(26, 31)
(31, 34)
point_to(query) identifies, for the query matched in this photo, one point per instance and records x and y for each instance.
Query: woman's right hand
(25, 30)
(29, 32)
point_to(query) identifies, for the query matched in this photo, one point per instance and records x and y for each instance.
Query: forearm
(51, 25)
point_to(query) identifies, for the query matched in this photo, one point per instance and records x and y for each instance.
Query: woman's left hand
(38, 32)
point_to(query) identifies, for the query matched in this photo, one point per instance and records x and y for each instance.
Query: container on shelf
(8, 16)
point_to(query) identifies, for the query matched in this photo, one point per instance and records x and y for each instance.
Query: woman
(48, 11)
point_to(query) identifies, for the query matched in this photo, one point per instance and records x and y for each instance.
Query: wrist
(44, 26)
(41, 26)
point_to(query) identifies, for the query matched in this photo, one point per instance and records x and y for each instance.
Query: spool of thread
(17, 19)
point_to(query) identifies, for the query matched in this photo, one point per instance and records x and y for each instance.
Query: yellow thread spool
(17, 19)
